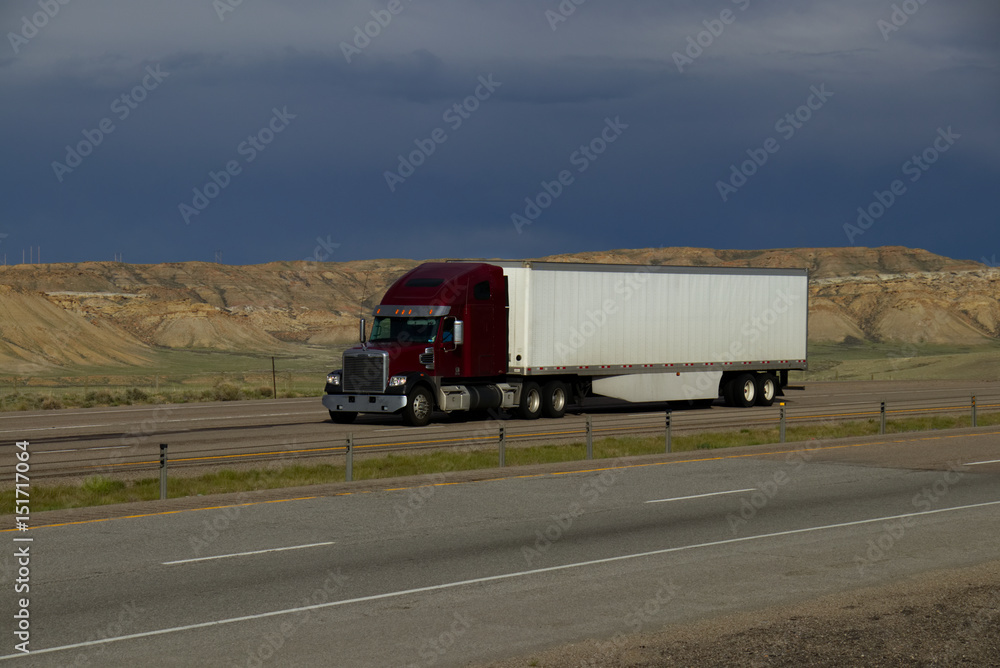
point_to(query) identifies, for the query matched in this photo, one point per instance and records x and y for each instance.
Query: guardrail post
(881, 426)
(974, 410)
(669, 435)
(503, 446)
(163, 471)
(590, 437)
(781, 420)
(349, 468)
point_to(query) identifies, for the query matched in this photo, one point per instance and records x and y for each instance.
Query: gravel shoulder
(943, 618)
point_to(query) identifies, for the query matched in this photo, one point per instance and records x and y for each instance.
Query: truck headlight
(333, 378)
(397, 381)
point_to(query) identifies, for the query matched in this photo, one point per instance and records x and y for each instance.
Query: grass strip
(101, 490)
(38, 400)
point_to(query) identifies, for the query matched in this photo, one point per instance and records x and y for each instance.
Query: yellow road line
(534, 475)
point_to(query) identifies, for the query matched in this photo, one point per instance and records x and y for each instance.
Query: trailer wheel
(419, 407)
(530, 407)
(342, 418)
(767, 389)
(554, 399)
(742, 392)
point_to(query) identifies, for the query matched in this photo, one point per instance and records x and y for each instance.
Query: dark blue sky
(623, 124)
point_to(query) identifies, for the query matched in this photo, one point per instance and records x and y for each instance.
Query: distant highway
(225, 433)
(464, 572)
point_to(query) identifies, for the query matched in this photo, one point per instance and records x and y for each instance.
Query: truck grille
(365, 372)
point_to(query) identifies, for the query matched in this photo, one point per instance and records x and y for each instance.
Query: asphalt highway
(464, 572)
(121, 439)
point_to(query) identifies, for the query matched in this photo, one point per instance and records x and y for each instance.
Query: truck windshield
(404, 330)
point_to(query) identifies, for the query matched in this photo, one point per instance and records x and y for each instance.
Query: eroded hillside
(99, 313)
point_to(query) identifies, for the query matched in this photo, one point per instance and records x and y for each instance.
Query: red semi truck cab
(440, 324)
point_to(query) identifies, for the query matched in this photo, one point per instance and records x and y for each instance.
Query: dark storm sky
(621, 130)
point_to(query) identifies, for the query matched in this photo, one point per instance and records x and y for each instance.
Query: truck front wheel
(530, 407)
(554, 399)
(419, 407)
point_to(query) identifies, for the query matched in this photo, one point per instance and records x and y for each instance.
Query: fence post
(590, 437)
(274, 380)
(349, 469)
(503, 446)
(881, 426)
(974, 410)
(781, 420)
(669, 435)
(163, 471)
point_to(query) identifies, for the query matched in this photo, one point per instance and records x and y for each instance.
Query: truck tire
(530, 407)
(554, 399)
(342, 418)
(767, 389)
(419, 407)
(744, 390)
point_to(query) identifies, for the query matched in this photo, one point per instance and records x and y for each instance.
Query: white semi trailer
(531, 336)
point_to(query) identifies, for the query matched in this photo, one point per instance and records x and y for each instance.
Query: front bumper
(364, 403)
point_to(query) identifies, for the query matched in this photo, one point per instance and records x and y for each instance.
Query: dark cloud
(324, 175)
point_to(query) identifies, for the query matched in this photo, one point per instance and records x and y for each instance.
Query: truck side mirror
(362, 334)
(459, 332)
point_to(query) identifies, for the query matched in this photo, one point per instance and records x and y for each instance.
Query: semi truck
(533, 338)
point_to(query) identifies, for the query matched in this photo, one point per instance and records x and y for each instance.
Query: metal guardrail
(501, 435)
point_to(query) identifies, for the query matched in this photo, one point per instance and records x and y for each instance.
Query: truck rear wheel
(554, 400)
(741, 391)
(530, 407)
(342, 418)
(746, 390)
(767, 389)
(419, 407)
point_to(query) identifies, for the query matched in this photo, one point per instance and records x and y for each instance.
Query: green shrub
(225, 392)
(134, 395)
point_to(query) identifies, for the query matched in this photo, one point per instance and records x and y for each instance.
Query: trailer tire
(342, 418)
(767, 389)
(419, 407)
(554, 399)
(744, 390)
(530, 407)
